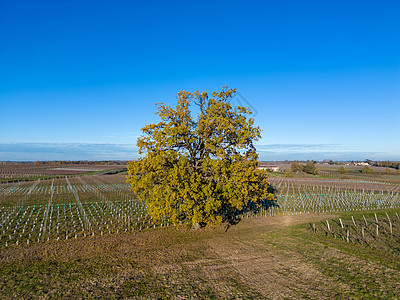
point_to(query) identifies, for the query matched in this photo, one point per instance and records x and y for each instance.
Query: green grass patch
(366, 272)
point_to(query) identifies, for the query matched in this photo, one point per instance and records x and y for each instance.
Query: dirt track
(248, 260)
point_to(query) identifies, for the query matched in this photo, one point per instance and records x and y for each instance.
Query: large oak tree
(198, 164)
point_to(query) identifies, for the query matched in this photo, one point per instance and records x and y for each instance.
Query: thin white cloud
(67, 151)
(115, 151)
(298, 147)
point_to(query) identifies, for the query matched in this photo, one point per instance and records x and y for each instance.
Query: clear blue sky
(78, 79)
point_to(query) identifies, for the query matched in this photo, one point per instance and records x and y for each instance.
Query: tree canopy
(199, 163)
(343, 170)
(310, 168)
(296, 167)
(368, 170)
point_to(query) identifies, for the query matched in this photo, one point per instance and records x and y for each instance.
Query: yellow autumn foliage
(198, 163)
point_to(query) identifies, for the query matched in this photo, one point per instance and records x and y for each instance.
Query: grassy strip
(362, 271)
(171, 263)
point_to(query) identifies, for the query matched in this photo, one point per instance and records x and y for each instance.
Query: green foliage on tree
(296, 167)
(368, 170)
(199, 163)
(343, 170)
(310, 168)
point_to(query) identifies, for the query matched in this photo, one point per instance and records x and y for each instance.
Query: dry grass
(269, 257)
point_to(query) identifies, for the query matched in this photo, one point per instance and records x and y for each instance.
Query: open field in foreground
(89, 237)
(268, 257)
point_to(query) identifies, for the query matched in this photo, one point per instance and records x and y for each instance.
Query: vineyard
(68, 208)
(315, 195)
(380, 231)
(86, 206)
(87, 236)
(11, 171)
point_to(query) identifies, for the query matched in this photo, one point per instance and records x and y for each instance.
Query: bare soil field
(343, 184)
(21, 171)
(288, 251)
(264, 258)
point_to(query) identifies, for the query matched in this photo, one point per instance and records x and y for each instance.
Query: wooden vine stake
(327, 223)
(377, 230)
(390, 224)
(376, 218)
(354, 222)
(365, 220)
(341, 223)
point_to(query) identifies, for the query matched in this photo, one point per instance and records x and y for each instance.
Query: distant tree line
(385, 164)
(308, 168)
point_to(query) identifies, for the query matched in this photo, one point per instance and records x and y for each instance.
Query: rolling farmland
(316, 195)
(93, 227)
(85, 206)
(14, 171)
(68, 208)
